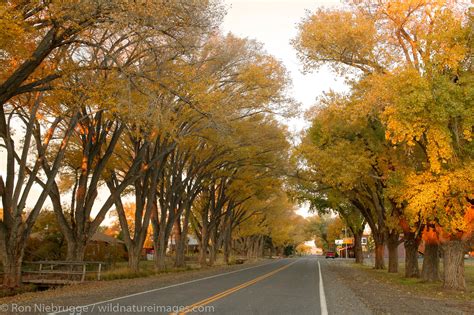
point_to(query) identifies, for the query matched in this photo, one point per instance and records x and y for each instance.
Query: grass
(147, 269)
(419, 287)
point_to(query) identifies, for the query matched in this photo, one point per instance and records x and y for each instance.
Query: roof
(101, 237)
(191, 240)
(97, 237)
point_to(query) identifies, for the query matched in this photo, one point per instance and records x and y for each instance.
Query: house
(101, 247)
(192, 246)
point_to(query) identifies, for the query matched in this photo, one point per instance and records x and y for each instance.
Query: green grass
(417, 286)
(469, 273)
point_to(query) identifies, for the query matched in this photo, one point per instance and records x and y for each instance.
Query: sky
(274, 24)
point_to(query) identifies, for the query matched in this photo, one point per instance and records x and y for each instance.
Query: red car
(330, 255)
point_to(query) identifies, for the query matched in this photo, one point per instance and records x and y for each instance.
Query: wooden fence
(61, 272)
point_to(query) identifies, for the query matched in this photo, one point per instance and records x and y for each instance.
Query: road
(285, 286)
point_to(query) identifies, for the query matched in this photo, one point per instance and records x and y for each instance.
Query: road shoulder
(341, 299)
(384, 297)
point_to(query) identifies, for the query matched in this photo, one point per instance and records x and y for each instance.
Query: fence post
(83, 272)
(98, 271)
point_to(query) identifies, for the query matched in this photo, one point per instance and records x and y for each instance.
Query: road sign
(339, 242)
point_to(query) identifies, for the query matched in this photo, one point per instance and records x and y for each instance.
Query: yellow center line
(230, 291)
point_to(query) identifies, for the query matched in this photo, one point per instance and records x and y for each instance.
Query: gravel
(340, 297)
(389, 298)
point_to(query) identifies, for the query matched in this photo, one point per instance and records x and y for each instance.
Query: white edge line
(322, 296)
(168, 287)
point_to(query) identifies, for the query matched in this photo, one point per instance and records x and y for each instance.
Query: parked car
(330, 255)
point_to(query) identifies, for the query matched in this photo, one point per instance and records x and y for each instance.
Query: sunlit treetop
(379, 36)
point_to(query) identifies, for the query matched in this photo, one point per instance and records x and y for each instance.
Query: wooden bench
(60, 272)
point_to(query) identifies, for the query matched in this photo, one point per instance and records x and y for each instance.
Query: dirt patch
(383, 296)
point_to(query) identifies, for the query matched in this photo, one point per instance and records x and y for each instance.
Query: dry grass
(147, 269)
(419, 287)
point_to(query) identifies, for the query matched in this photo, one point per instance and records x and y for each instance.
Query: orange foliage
(404, 225)
(430, 236)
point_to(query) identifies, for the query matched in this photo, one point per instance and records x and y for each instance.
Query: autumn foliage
(145, 108)
(398, 146)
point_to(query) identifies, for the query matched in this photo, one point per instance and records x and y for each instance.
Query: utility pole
(345, 238)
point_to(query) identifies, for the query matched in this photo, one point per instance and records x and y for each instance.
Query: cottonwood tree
(350, 157)
(244, 190)
(209, 91)
(45, 41)
(23, 168)
(38, 31)
(423, 48)
(131, 52)
(269, 224)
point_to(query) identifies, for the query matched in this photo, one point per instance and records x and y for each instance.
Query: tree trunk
(212, 255)
(359, 256)
(392, 244)
(204, 246)
(379, 251)
(411, 244)
(262, 247)
(430, 268)
(214, 247)
(248, 246)
(179, 261)
(257, 247)
(134, 260)
(160, 253)
(75, 250)
(12, 269)
(178, 237)
(227, 246)
(453, 265)
(203, 252)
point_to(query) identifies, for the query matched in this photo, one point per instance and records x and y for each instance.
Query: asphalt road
(286, 286)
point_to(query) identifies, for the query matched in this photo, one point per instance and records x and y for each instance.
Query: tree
(317, 228)
(326, 202)
(45, 42)
(134, 50)
(41, 132)
(36, 32)
(325, 230)
(412, 64)
(128, 216)
(272, 223)
(46, 241)
(345, 155)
